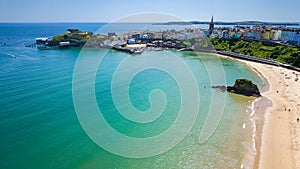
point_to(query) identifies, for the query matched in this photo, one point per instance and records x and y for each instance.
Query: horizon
(109, 11)
(147, 22)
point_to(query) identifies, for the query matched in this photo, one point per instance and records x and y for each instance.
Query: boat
(129, 50)
(138, 51)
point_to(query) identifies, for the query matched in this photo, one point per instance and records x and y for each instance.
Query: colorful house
(266, 35)
(158, 35)
(206, 33)
(231, 34)
(245, 34)
(297, 38)
(287, 36)
(146, 36)
(272, 35)
(277, 35)
(131, 41)
(226, 34)
(259, 35)
(284, 36)
(187, 36)
(237, 35)
(250, 35)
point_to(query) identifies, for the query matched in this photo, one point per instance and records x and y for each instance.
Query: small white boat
(138, 51)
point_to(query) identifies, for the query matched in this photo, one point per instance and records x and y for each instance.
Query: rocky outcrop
(244, 87)
(241, 86)
(220, 88)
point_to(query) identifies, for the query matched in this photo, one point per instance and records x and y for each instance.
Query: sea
(55, 105)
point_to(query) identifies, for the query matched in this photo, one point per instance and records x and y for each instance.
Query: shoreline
(260, 107)
(277, 135)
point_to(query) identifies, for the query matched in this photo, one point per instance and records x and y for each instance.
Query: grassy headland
(79, 39)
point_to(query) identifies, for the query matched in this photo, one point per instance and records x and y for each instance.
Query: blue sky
(111, 10)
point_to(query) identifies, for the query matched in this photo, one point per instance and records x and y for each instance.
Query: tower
(211, 26)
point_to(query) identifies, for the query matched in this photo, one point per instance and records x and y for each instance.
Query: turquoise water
(39, 126)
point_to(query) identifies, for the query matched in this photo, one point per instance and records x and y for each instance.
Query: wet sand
(260, 109)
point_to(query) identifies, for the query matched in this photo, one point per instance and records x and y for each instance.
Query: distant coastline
(230, 23)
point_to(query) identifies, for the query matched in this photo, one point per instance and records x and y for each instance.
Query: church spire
(211, 25)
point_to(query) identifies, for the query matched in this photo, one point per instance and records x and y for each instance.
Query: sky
(113, 10)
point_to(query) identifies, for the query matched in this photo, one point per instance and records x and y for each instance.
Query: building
(277, 35)
(266, 35)
(284, 36)
(297, 38)
(111, 34)
(123, 36)
(272, 35)
(131, 41)
(231, 34)
(146, 35)
(259, 35)
(64, 44)
(237, 36)
(187, 37)
(135, 36)
(158, 35)
(206, 33)
(251, 35)
(245, 34)
(287, 35)
(42, 41)
(134, 32)
(211, 26)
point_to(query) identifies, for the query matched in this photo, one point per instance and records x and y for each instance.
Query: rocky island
(241, 86)
(244, 87)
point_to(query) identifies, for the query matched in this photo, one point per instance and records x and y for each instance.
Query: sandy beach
(278, 140)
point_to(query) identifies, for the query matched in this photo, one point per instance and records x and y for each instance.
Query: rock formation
(244, 87)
